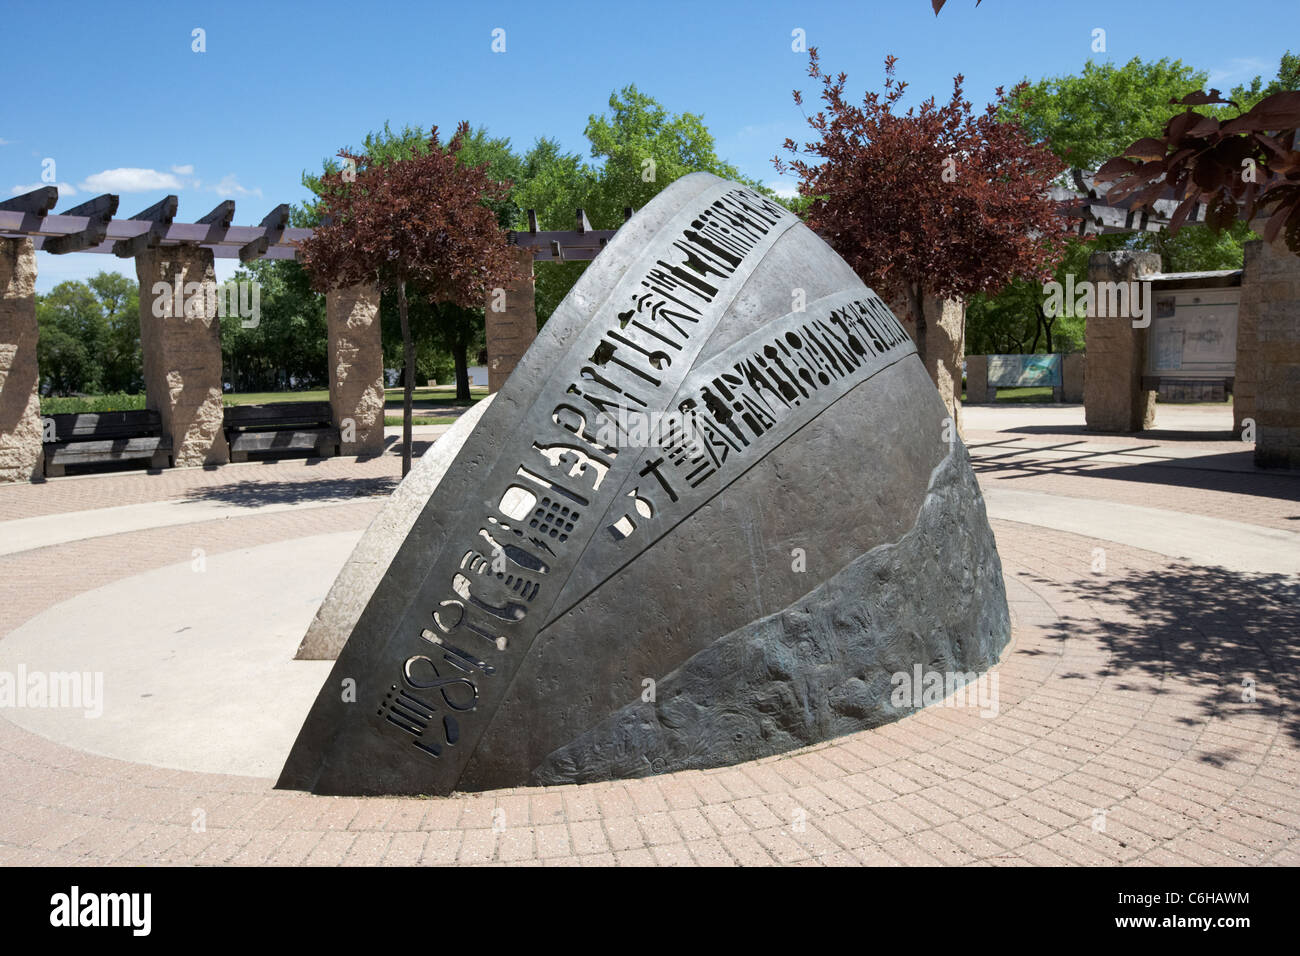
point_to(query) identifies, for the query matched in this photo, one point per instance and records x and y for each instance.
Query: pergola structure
(90, 227)
(182, 351)
(1098, 215)
(180, 334)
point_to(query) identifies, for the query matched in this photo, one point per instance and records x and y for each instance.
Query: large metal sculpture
(713, 512)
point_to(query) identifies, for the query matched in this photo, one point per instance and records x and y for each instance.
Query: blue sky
(117, 97)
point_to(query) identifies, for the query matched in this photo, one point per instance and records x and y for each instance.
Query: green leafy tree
(424, 221)
(1287, 79)
(71, 335)
(286, 348)
(554, 184)
(1088, 117)
(638, 148)
(120, 356)
(641, 148)
(90, 336)
(1085, 119)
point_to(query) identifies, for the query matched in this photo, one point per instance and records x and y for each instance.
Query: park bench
(90, 438)
(270, 430)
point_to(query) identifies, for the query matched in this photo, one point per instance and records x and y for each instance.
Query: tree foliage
(934, 201)
(286, 348)
(427, 220)
(641, 148)
(89, 336)
(1244, 167)
(424, 219)
(1088, 117)
(638, 148)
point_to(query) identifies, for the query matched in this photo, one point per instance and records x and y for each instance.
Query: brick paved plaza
(1146, 708)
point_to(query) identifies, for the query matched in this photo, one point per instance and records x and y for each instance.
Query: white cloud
(229, 186)
(186, 170)
(784, 190)
(65, 189)
(5, 142)
(1242, 70)
(129, 179)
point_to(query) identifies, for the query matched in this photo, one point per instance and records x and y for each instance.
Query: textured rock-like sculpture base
(828, 664)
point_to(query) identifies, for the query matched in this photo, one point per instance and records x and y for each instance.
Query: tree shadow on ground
(257, 494)
(1153, 434)
(1230, 473)
(1212, 628)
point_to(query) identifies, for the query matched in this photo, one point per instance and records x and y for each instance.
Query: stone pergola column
(356, 360)
(942, 347)
(1267, 385)
(1113, 397)
(977, 379)
(22, 457)
(511, 321)
(182, 350)
(1074, 372)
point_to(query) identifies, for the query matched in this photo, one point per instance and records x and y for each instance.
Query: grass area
(396, 420)
(424, 400)
(1034, 394)
(117, 402)
(1041, 393)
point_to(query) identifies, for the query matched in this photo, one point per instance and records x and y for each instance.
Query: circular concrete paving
(205, 680)
(1145, 715)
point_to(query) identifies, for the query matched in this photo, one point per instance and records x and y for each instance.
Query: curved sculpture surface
(713, 515)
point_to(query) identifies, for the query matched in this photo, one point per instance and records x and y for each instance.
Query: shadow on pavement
(1154, 434)
(1212, 628)
(1229, 472)
(256, 494)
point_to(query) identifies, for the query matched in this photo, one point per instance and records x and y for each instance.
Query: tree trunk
(918, 311)
(408, 388)
(460, 352)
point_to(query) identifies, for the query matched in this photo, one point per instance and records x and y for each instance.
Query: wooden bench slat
(80, 425)
(282, 413)
(284, 440)
(80, 452)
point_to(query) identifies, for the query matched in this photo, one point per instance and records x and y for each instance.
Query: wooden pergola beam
(218, 222)
(274, 225)
(90, 227)
(98, 212)
(159, 216)
(221, 216)
(38, 202)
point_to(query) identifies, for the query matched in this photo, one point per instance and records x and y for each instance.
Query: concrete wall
(356, 364)
(1113, 397)
(21, 454)
(182, 351)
